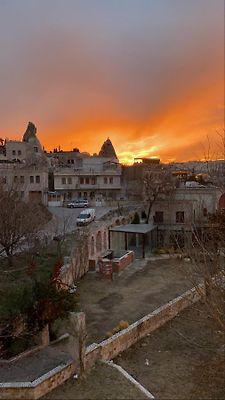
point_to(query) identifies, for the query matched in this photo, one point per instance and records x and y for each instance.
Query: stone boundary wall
(38, 387)
(71, 271)
(119, 264)
(108, 349)
(105, 351)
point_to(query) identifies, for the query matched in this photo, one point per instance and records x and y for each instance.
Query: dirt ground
(140, 289)
(103, 382)
(184, 359)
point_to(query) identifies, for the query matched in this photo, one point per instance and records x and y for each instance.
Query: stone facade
(97, 177)
(31, 182)
(185, 209)
(24, 166)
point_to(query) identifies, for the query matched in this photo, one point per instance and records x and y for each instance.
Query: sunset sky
(149, 74)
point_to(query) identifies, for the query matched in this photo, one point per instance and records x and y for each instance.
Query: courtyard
(138, 290)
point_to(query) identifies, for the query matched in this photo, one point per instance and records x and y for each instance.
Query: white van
(86, 216)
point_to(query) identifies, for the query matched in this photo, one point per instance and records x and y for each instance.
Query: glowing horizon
(150, 75)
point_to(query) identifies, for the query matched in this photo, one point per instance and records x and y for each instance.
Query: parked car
(86, 216)
(79, 203)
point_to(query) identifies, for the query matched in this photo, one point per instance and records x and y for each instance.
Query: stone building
(28, 150)
(132, 176)
(97, 178)
(24, 166)
(81, 175)
(187, 208)
(31, 182)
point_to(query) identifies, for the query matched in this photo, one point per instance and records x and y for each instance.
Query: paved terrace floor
(140, 289)
(32, 367)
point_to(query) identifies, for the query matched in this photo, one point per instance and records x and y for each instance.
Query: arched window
(105, 241)
(222, 202)
(92, 246)
(99, 242)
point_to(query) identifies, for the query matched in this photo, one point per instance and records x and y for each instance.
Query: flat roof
(134, 228)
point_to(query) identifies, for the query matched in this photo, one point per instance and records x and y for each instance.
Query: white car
(80, 203)
(86, 216)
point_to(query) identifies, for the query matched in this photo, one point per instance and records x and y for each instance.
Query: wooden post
(143, 247)
(109, 239)
(126, 242)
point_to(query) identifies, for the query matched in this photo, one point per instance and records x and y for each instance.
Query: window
(111, 180)
(31, 179)
(87, 181)
(180, 217)
(205, 212)
(3, 179)
(22, 179)
(37, 178)
(19, 152)
(35, 149)
(70, 180)
(14, 152)
(63, 181)
(159, 217)
(81, 181)
(15, 179)
(93, 181)
(105, 180)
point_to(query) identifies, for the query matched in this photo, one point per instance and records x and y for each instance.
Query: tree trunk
(9, 258)
(149, 212)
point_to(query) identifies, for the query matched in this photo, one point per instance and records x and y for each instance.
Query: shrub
(121, 325)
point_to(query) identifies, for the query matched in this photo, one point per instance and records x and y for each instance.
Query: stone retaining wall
(39, 387)
(119, 264)
(106, 350)
(110, 348)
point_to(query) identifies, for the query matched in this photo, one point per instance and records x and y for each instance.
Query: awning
(141, 229)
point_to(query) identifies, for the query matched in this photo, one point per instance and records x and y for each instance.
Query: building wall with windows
(185, 209)
(31, 183)
(187, 205)
(98, 177)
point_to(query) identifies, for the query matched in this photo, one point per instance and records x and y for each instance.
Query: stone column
(77, 342)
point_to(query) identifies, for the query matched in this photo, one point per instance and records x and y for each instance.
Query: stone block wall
(110, 348)
(39, 387)
(120, 263)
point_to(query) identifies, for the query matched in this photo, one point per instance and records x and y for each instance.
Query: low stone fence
(122, 262)
(106, 350)
(39, 387)
(110, 348)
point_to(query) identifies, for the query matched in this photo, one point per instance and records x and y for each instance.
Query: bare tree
(205, 247)
(19, 221)
(158, 184)
(215, 159)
